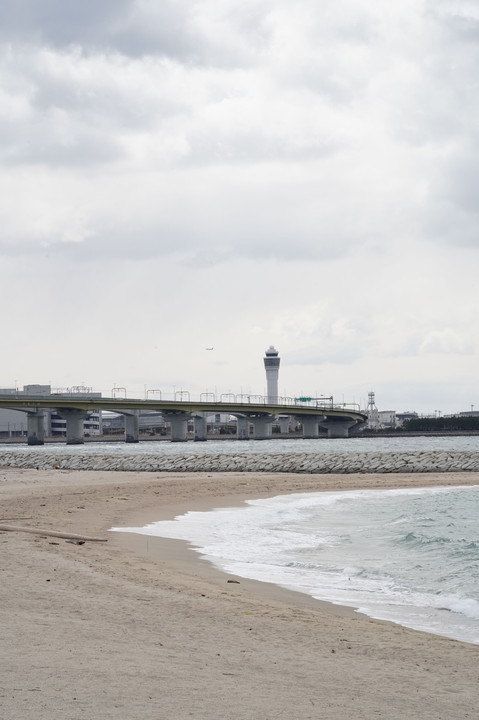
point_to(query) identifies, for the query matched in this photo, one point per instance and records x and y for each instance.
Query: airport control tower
(271, 365)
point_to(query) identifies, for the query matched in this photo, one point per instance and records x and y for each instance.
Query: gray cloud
(136, 28)
(60, 23)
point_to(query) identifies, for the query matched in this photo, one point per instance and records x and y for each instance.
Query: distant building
(387, 419)
(402, 417)
(13, 423)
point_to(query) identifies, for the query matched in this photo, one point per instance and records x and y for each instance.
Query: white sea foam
(409, 556)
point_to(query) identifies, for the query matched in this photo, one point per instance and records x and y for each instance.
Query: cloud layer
(181, 174)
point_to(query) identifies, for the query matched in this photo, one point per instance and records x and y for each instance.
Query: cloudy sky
(184, 174)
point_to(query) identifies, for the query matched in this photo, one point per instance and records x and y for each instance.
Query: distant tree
(457, 423)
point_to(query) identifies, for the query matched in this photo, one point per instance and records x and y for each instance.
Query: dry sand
(133, 630)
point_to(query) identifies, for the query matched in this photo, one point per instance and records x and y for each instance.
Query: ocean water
(286, 446)
(407, 556)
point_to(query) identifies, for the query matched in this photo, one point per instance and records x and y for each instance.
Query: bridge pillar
(74, 419)
(201, 427)
(242, 427)
(36, 427)
(132, 426)
(284, 423)
(179, 425)
(262, 425)
(310, 427)
(338, 428)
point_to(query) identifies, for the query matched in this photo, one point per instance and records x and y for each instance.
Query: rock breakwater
(322, 463)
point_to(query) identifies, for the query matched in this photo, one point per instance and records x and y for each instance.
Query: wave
(408, 556)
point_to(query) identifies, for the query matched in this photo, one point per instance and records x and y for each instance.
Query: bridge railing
(120, 393)
(155, 394)
(182, 396)
(229, 397)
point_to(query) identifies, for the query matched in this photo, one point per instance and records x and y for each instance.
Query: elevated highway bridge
(337, 420)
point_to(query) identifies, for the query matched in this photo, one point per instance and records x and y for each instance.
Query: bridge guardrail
(184, 396)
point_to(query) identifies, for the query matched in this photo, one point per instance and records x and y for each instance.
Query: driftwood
(50, 533)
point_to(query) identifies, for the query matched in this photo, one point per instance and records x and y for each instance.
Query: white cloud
(298, 174)
(447, 342)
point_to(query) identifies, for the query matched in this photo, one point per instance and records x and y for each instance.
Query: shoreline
(189, 557)
(186, 556)
(106, 631)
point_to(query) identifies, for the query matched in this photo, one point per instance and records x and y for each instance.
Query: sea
(409, 556)
(281, 445)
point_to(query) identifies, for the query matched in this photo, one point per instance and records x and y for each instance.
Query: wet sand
(140, 627)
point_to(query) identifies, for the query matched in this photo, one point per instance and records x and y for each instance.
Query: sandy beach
(137, 628)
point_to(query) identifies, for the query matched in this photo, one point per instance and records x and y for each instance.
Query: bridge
(338, 420)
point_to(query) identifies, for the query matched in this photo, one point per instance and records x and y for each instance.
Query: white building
(387, 419)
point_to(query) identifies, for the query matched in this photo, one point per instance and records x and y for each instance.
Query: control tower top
(271, 352)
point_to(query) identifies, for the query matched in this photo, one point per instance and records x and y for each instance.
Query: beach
(141, 627)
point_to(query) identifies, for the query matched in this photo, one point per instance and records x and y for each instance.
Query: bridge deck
(233, 408)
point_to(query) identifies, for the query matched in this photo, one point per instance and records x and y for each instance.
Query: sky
(180, 175)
